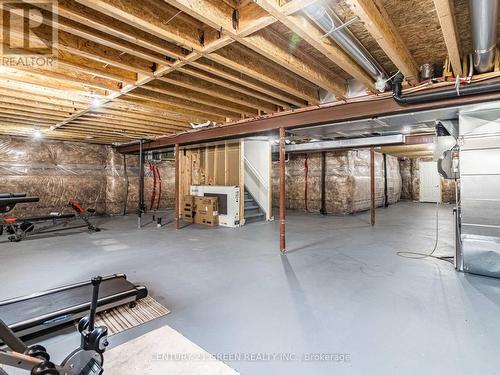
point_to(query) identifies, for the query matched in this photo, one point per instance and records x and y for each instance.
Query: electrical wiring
(423, 255)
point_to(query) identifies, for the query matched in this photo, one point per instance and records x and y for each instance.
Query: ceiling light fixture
(37, 133)
(95, 102)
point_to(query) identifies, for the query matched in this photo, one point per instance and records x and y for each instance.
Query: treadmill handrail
(58, 289)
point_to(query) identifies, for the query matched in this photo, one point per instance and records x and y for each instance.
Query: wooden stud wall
(210, 165)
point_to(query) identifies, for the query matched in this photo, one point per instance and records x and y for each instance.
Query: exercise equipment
(8, 201)
(87, 359)
(22, 228)
(47, 311)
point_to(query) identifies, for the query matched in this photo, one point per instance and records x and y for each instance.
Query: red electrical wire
(159, 187)
(152, 168)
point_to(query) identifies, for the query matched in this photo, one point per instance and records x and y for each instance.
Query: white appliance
(229, 202)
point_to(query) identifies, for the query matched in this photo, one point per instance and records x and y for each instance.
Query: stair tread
(258, 214)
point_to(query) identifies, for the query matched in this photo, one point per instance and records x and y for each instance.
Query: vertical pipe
(142, 206)
(306, 173)
(125, 173)
(372, 184)
(177, 164)
(323, 184)
(282, 190)
(458, 243)
(411, 180)
(242, 182)
(386, 189)
(484, 17)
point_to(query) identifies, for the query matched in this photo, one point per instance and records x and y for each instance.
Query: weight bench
(20, 229)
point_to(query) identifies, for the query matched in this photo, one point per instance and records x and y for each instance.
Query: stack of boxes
(188, 209)
(201, 210)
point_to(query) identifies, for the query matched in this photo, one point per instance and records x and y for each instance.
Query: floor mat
(124, 317)
(163, 351)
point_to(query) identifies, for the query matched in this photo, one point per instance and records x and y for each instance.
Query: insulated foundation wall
(410, 174)
(123, 184)
(92, 175)
(347, 181)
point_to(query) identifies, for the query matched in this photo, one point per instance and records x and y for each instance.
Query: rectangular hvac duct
(347, 143)
(480, 192)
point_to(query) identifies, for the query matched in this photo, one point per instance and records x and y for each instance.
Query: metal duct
(396, 139)
(484, 15)
(331, 23)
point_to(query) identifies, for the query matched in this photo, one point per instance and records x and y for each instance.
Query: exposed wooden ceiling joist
(116, 9)
(157, 65)
(445, 13)
(186, 81)
(264, 42)
(380, 26)
(304, 28)
(231, 85)
(196, 97)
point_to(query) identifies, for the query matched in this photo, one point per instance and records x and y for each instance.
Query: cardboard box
(206, 218)
(188, 216)
(188, 209)
(206, 211)
(202, 202)
(189, 200)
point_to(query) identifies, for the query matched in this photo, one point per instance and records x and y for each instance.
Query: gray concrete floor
(340, 289)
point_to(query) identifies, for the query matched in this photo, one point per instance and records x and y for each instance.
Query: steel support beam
(323, 210)
(386, 188)
(372, 184)
(141, 210)
(308, 117)
(177, 176)
(282, 191)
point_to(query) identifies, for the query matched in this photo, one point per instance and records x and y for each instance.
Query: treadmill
(47, 311)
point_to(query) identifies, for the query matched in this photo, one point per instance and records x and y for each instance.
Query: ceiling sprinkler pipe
(484, 15)
(332, 25)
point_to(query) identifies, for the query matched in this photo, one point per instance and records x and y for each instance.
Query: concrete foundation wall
(347, 181)
(92, 175)
(410, 174)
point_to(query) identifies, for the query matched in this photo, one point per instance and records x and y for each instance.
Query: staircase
(253, 212)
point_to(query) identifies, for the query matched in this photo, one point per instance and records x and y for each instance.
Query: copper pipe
(372, 184)
(177, 168)
(282, 190)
